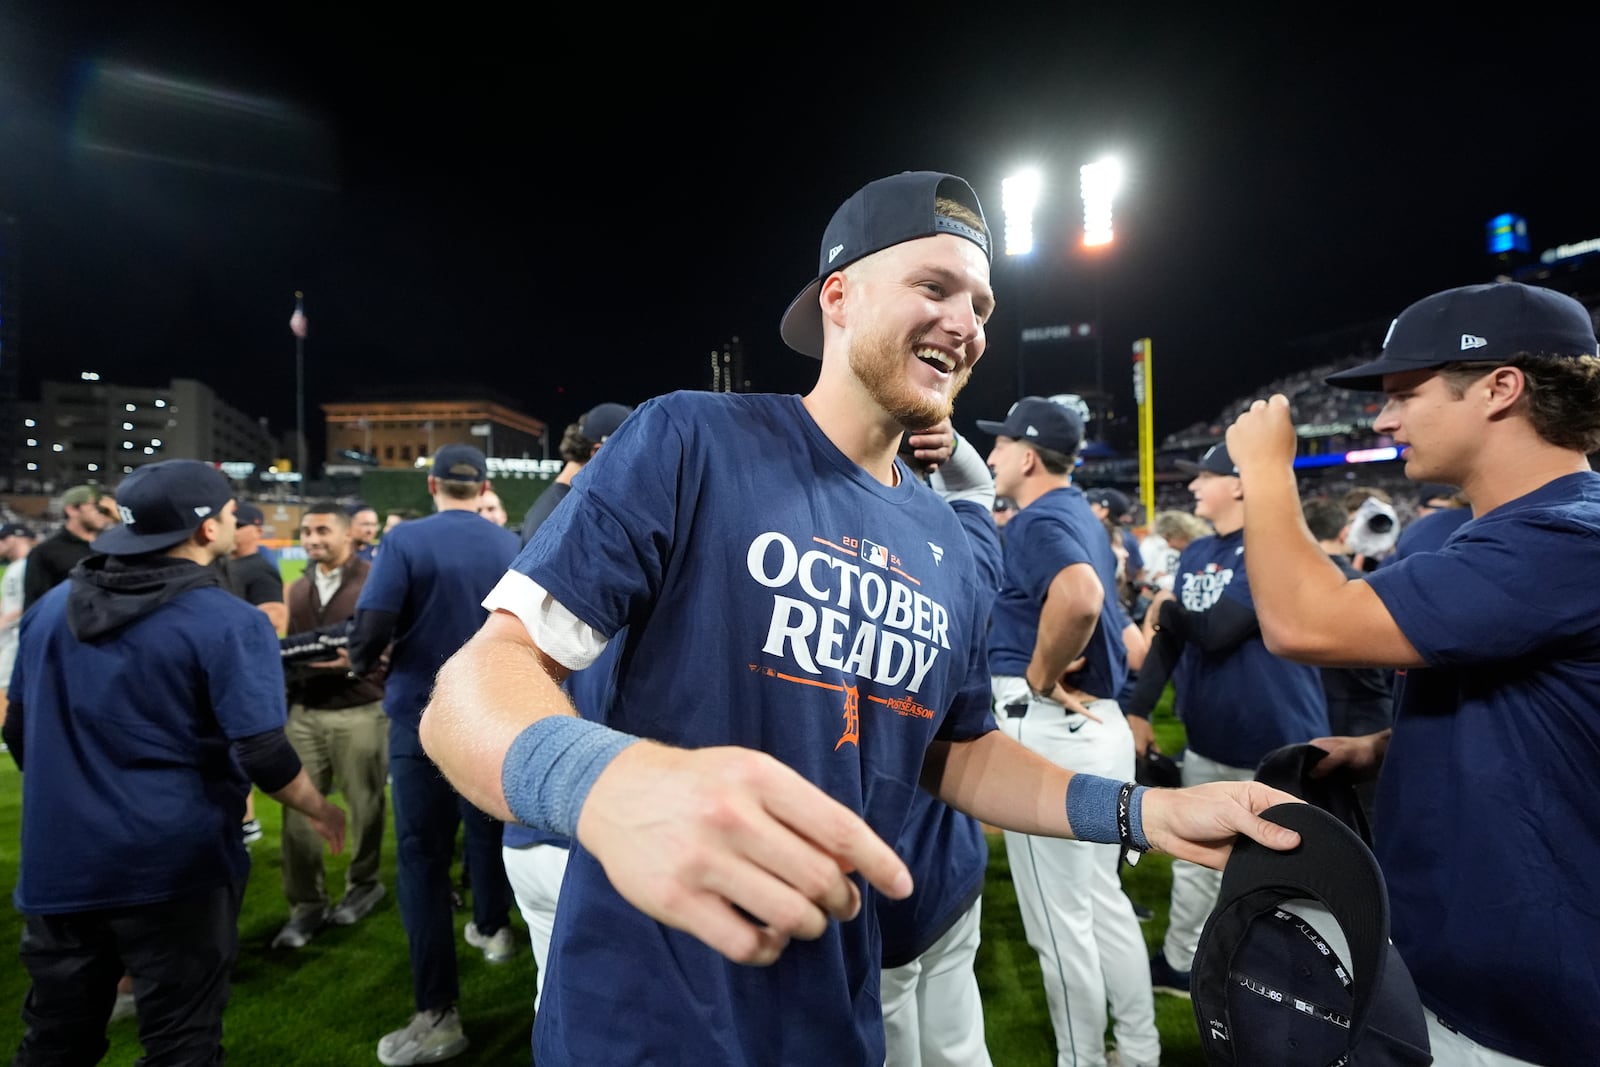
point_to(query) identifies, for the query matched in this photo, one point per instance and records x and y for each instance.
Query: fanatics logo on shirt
(938, 553)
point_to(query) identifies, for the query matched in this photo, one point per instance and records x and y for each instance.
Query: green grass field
(327, 1004)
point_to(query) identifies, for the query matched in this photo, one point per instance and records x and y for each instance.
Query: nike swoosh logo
(1074, 727)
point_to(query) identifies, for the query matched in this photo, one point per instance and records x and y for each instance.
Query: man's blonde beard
(878, 362)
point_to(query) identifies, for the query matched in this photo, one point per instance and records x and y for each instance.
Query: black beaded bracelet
(1125, 823)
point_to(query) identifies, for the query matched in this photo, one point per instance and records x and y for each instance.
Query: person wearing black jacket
(142, 678)
(89, 510)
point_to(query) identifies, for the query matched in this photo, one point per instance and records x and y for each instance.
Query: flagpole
(297, 323)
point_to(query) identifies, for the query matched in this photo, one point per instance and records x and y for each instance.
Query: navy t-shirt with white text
(1239, 704)
(776, 597)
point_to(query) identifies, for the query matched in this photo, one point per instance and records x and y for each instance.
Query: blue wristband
(1092, 811)
(550, 767)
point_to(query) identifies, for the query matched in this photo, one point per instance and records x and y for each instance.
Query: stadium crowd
(152, 648)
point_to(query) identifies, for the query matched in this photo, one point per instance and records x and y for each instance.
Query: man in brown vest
(337, 725)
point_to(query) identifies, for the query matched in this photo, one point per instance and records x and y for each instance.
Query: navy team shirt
(1488, 811)
(132, 795)
(433, 574)
(1054, 532)
(776, 597)
(1242, 703)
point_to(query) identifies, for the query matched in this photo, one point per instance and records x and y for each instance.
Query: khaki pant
(347, 749)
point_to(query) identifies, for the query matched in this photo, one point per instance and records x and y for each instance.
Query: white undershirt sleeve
(559, 633)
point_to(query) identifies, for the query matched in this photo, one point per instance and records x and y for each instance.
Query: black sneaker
(1164, 978)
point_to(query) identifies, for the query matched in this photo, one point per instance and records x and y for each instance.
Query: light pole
(297, 323)
(1019, 195)
(1099, 183)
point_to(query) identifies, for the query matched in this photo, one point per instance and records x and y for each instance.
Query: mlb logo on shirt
(874, 554)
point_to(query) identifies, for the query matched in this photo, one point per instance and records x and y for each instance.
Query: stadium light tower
(1019, 195)
(1099, 183)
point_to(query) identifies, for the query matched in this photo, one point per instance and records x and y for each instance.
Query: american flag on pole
(297, 321)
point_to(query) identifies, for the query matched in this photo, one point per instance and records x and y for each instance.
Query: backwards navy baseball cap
(1041, 422)
(879, 215)
(602, 420)
(162, 504)
(460, 463)
(1215, 461)
(1477, 323)
(1294, 966)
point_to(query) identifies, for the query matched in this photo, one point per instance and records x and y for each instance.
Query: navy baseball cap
(1113, 500)
(249, 514)
(1039, 422)
(1477, 323)
(1290, 768)
(460, 463)
(16, 529)
(1215, 461)
(162, 504)
(602, 420)
(879, 215)
(1294, 966)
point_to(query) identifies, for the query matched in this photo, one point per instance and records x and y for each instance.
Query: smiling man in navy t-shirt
(804, 649)
(1486, 824)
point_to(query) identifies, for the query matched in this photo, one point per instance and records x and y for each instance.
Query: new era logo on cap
(1041, 422)
(1494, 322)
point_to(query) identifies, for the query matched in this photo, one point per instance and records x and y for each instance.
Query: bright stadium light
(1099, 183)
(1019, 194)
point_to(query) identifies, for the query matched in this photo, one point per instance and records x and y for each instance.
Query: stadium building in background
(91, 430)
(397, 433)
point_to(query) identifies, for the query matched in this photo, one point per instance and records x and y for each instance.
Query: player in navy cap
(422, 594)
(1486, 823)
(579, 444)
(804, 645)
(1058, 611)
(145, 701)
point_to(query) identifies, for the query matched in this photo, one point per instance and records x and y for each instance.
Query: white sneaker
(356, 904)
(497, 947)
(124, 1008)
(297, 933)
(431, 1036)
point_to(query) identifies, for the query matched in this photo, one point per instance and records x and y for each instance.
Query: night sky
(565, 208)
